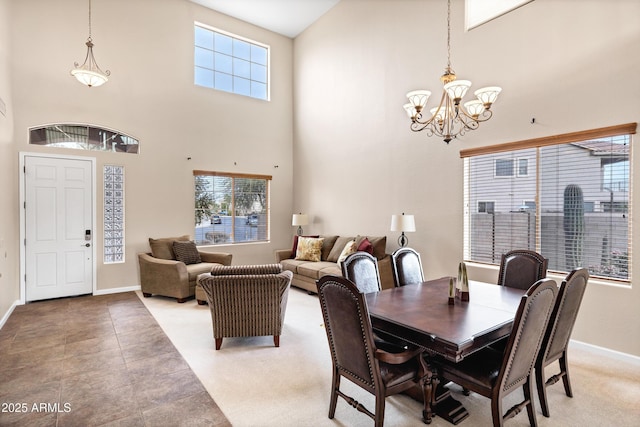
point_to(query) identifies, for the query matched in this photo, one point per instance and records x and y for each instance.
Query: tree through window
(231, 208)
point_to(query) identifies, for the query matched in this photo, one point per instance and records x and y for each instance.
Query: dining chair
(355, 356)
(407, 267)
(556, 340)
(494, 374)
(521, 268)
(362, 269)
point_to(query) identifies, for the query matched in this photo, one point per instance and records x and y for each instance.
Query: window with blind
(566, 197)
(231, 207)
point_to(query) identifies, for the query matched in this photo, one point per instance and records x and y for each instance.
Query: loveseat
(306, 272)
(171, 269)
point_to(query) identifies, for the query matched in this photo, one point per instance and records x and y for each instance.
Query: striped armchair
(246, 300)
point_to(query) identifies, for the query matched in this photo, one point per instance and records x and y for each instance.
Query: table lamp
(403, 223)
(300, 219)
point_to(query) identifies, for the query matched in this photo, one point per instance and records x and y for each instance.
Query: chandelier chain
(90, 39)
(448, 34)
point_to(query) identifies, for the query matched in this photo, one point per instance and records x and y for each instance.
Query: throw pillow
(294, 249)
(163, 248)
(366, 246)
(186, 252)
(309, 249)
(348, 249)
(379, 245)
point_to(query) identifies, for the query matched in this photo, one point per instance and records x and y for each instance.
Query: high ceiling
(286, 17)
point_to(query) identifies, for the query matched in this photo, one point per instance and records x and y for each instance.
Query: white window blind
(566, 198)
(231, 207)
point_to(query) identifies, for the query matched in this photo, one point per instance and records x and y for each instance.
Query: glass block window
(113, 214)
(231, 63)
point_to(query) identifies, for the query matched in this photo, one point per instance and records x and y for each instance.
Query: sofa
(172, 267)
(306, 272)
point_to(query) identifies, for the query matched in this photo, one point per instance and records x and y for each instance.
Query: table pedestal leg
(446, 407)
(442, 403)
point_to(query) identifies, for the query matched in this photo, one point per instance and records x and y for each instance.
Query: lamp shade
(403, 223)
(300, 219)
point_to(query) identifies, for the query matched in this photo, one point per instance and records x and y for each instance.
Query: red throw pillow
(366, 246)
(295, 244)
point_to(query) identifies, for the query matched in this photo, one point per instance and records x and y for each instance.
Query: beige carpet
(256, 384)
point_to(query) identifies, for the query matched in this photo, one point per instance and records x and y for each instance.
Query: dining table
(422, 315)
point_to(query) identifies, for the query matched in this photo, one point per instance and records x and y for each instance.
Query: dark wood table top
(420, 314)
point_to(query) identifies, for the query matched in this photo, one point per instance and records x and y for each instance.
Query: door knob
(88, 244)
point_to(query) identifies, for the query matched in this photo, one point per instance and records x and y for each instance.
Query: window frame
(517, 165)
(485, 204)
(234, 60)
(537, 143)
(496, 168)
(264, 229)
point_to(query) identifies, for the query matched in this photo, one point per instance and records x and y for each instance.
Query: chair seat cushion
(481, 368)
(398, 374)
(194, 270)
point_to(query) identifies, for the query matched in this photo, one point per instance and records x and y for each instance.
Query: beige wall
(356, 161)
(8, 171)
(339, 136)
(148, 47)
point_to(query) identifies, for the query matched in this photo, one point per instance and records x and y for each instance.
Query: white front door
(58, 227)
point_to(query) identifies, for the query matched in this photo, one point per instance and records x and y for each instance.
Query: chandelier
(89, 73)
(449, 119)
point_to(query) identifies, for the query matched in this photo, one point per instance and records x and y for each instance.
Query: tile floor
(96, 361)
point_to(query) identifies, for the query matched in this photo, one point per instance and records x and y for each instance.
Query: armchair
(246, 300)
(162, 274)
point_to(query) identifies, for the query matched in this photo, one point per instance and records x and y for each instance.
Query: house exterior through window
(569, 201)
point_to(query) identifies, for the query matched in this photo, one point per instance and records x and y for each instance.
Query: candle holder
(462, 284)
(451, 291)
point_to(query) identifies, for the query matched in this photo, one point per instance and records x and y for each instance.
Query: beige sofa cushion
(338, 247)
(327, 245)
(163, 248)
(314, 269)
(291, 264)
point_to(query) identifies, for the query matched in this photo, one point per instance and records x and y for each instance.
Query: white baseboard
(624, 357)
(8, 313)
(116, 290)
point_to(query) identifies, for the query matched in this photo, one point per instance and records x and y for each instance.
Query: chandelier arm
(428, 121)
(481, 117)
